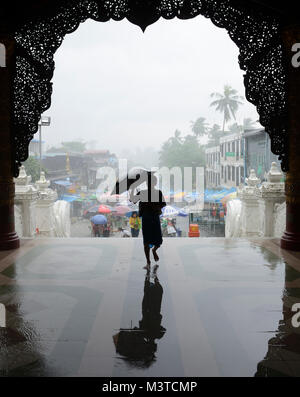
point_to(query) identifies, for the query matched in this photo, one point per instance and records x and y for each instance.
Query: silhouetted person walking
(151, 306)
(138, 344)
(151, 201)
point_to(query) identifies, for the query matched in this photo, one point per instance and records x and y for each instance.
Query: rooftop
(96, 152)
(253, 131)
(230, 137)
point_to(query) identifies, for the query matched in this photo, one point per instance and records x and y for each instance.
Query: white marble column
(269, 194)
(25, 201)
(250, 222)
(45, 208)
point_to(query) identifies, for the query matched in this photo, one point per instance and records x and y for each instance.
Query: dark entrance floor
(225, 309)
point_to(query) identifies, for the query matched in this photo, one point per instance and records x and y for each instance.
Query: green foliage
(248, 123)
(199, 127)
(181, 152)
(214, 135)
(146, 157)
(32, 167)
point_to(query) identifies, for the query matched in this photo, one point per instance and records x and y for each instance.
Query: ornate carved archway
(256, 35)
(260, 33)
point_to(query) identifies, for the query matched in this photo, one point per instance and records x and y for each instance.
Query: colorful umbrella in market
(229, 196)
(179, 195)
(121, 210)
(215, 196)
(99, 219)
(104, 209)
(168, 211)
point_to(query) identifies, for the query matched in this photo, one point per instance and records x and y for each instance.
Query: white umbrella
(168, 211)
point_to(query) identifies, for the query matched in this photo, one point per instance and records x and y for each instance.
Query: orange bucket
(194, 230)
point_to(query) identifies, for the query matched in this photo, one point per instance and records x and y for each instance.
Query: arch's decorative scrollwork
(256, 35)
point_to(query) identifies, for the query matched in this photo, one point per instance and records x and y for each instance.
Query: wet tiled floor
(86, 307)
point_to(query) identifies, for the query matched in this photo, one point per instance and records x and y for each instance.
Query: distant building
(258, 152)
(232, 160)
(228, 164)
(212, 170)
(34, 147)
(80, 167)
(60, 166)
(97, 159)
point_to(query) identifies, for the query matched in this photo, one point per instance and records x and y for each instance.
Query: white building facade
(212, 171)
(232, 160)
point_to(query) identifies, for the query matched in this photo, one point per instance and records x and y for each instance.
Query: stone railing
(38, 213)
(26, 196)
(259, 211)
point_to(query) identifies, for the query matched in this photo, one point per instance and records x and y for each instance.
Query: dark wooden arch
(34, 30)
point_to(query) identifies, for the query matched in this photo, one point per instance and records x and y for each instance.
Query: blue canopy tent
(215, 196)
(64, 183)
(70, 197)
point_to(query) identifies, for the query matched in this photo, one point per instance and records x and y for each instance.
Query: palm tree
(199, 127)
(215, 134)
(227, 103)
(177, 136)
(176, 139)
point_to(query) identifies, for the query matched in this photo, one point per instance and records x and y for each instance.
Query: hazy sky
(124, 88)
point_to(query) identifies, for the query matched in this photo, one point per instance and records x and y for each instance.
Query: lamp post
(44, 121)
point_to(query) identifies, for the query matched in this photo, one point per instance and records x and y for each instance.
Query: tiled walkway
(225, 309)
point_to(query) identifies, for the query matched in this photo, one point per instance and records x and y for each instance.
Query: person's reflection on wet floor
(137, 345)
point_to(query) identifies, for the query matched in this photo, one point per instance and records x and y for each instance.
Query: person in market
(164, 225)
(95, 229)
(106, 230)
(135, 224)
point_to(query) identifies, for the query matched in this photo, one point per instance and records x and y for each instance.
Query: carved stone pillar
(269, 194)
(45, 208)
(8, 236)
(291, 238)
(25, 197)
(250, 210)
